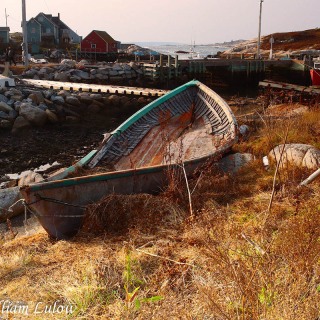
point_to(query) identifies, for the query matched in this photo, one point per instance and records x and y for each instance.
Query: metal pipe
(259, 33)
(24, 31)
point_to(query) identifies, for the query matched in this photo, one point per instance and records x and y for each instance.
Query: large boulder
(29, 177)
(72, 100)
(301, 155)
(34, 115)
(52, 117)
(61, 76)
(5, 107)
(3, 98)
(9, 205)
(81, 74)
(234, 162)
(36, 97)
(5, 124)
(20, 125)
(57, 100)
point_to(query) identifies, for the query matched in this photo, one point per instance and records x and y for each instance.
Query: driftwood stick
(168, 259)
(189, 193)
(276, 172)
(310, 178)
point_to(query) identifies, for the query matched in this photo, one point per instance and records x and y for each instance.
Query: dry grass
(142, 257)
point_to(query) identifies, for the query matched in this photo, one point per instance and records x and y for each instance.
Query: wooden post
(161, 67)
(176, 65)
(6, 69)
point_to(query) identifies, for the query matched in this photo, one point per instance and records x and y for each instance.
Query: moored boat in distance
(190, 125)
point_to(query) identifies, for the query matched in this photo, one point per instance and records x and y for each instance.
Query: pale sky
(183, 21)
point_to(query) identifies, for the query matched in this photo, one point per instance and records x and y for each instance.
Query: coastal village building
(99, 42)
(4, 35)
(48, 30)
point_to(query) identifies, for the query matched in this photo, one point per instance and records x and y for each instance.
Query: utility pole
(259, 34)
(5, 12)
(24, 32)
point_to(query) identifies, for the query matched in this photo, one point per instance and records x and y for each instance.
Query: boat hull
(315, 77)
(60, 205)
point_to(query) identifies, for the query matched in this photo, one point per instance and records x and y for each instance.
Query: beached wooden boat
(189, 125)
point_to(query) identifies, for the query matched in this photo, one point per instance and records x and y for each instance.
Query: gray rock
(142, 100)
(72, 119)
(47, 94)
(62, 76)
(29, 73)
(124, 100)
(5, 124)
(301, 155)
(233, 162)
(20, 125)
(101, 76)
(43, 106)
(86, 99)
(64, 93)
(34, 115)
(113, 73)
(71, 113)
(3, 98)
(13, 114)
(30, 177)
(4, 115)
(36, 97)
(17, 97)
(5, 107)
(93, 108)
(8, 197)
(10, 103)
(17, 105)
(114, 100)
(57, 99)
(72, 100)
(81, 74)
(52, 117)
(75, 79)
(96, 96)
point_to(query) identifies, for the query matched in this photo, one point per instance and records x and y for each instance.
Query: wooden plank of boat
(94, 88)
(190, 125)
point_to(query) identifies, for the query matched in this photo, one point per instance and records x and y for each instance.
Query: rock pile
(24, 108)
(105, 72)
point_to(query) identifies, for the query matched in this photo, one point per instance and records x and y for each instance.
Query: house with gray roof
(49, 31)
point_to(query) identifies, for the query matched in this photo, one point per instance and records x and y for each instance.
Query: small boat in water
(190, 125)
(315, 73)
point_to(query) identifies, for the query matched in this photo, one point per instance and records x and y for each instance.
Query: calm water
(200, 50)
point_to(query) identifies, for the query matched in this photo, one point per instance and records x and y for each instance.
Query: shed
(99, 42)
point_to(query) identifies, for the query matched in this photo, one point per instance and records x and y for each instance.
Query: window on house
(48, 30)
(33, 30)
(40, 19)
(93, 46)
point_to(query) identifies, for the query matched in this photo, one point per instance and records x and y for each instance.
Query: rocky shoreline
(69, 70)
(44, 126)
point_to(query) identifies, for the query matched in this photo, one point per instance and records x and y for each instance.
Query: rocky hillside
(284, 43)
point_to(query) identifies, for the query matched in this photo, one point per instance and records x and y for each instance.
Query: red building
(99, 41)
